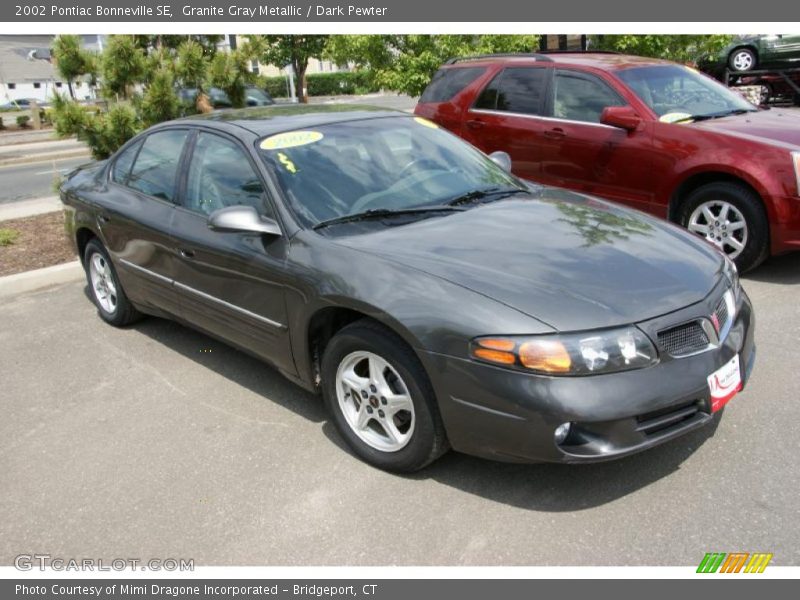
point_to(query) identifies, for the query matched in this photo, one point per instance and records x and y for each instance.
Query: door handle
(186, 252)
(555, 134)
(475, 124)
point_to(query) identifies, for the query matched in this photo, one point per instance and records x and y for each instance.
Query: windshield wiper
(380, 213)
(717, 115)
(475, 195)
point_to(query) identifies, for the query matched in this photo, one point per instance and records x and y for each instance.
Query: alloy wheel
(103, 288)
(375, 401)
(722, 224)
(743, 61)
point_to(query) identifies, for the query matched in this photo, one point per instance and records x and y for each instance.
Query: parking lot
(156, 441)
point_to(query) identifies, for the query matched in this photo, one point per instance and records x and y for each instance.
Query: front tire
(742, 59)
(732, 217)
(380, 398)
(112, 304)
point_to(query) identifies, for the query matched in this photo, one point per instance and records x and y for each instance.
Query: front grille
(683, 339)
(666, 418)
(721, 312)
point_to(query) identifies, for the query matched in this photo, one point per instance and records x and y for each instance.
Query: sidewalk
(47, 149)
(29, 208)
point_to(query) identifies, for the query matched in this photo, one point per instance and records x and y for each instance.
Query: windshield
(394, 163)
(675, 92)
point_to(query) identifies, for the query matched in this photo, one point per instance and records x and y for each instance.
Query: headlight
(796, 163)
(586, 353)
(732, 275)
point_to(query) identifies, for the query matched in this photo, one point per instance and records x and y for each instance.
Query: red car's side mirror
(623, 117)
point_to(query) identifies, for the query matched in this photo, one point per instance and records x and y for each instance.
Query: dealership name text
(188, 10)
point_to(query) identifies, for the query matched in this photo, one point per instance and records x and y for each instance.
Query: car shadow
(555, 487)
(538, 487)
(783, 269)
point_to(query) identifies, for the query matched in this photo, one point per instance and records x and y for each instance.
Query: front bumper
(512, 416)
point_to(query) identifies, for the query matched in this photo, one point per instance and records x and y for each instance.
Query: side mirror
(242, 219)
(501, 159)
(623, 117)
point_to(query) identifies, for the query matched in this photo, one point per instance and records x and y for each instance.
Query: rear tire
(380, 398)
(726, 214)
(112, 304)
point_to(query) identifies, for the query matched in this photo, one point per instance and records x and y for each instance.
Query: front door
(581, 153)
(230, 284)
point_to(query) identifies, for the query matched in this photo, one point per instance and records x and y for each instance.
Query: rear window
(446, 83)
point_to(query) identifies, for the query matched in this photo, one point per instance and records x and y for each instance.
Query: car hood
(772, 125)
(568, 260)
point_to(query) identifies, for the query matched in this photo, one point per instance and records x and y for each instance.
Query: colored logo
(734, 562)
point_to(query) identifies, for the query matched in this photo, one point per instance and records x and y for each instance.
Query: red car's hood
(773, 125)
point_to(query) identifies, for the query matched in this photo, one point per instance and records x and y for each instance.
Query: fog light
(562, 431)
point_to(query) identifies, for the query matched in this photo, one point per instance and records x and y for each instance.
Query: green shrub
(342, 82)
(8, 236)
(324, 84)
(160, 102)
(22, 121)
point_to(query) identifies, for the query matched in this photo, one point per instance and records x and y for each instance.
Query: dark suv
(648, 133)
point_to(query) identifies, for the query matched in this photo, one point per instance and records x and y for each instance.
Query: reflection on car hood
(571, 261)
(765, 126)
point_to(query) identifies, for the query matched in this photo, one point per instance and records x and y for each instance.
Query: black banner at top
(387, 11)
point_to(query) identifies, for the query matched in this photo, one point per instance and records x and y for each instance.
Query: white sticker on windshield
(290, 139)
(675, 116)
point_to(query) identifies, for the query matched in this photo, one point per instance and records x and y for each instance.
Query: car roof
(276, 118)
(599, 60)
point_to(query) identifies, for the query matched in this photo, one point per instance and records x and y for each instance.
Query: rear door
(137, 216)
(581, 153)
(230, 284)
(440, 102)
(507, 116)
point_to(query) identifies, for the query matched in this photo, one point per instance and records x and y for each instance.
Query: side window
(446, 83)
(519, 90)
(581, 98)
(123, 163)
(155, 170)
(220, 175)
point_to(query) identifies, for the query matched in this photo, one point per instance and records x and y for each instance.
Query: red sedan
(647, 133)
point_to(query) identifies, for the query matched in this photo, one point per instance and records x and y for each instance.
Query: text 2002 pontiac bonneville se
(434, 299)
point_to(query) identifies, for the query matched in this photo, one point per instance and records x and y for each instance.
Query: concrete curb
(46, 157)
(29, 281)
(30, 208)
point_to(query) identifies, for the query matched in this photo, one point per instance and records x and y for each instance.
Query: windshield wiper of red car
(382, 213)
(716, 115)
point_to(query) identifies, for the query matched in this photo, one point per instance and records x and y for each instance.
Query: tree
(229, 72)
(122, 65)
(679, 48)
(71, 60)
(191, 65)
(406, 63)
(282, 50)
(160, 102)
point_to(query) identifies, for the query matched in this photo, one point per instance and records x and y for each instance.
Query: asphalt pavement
(33, 180)
(156, 441)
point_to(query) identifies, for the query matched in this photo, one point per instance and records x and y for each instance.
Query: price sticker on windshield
(290, 139)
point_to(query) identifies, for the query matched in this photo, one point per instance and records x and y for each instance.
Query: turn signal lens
(495, 356)
(549, 356)
(496, 350)
(796, 163)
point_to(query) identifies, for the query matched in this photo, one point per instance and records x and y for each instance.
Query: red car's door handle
(475, 124)
(555, 134)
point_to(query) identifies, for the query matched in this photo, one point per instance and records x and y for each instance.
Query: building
(315, 65)
(26, 69)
